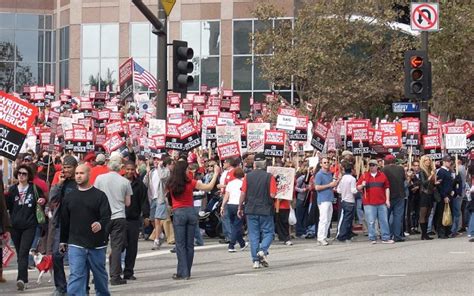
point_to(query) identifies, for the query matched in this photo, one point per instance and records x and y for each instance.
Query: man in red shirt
(375, 190)
(99, 169)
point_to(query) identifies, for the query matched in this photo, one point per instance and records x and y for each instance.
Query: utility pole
(424, 101)
(159, 28)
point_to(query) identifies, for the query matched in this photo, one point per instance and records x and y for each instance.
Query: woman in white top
(230, 206)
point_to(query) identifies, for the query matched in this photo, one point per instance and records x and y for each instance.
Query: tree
(342, 56)
(452, 55)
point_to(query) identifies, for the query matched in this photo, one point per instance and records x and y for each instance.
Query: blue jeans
(456, 210)
(80, 261)
(236, 222)
(197, 232)
(359, 209)
(344, 227)
(471, 224)
(299, 213)
(184, 223)
(260, 227)
(395, 214)
(226, 227)
(372, 213)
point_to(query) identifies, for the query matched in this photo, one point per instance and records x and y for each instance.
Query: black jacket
(139, 200)
(23, 215)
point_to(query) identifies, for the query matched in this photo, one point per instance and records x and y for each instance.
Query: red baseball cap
(389, 157)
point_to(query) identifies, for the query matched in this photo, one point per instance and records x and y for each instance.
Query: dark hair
(167, 161)
(28, 169)
(347, 168)
(129, 162)
(239, 173)
(178, 178)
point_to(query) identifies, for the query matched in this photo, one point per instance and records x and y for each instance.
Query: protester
(445, 188)
(22, 200)
(85, 214)
(133, 213)
(427, 192)
(324, 185)
(413, 207)
(346, 188)
(396, 178)
(181, 187)
(226, 176)
(259, 188)
(301, 188)
(65, 185)
(376, 200)
(100, 167)
(5, 227)
(118, 192)
(230, 206)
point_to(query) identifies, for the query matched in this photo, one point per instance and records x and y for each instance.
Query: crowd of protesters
(75, 208)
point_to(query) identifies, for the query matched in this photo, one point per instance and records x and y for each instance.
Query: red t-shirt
(41, 184)
(374, 191)
(97, 171)
(56, 178)
(284, 204)
(185, 200)
(229, 176)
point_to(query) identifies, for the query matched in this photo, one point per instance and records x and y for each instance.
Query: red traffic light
(416, 61)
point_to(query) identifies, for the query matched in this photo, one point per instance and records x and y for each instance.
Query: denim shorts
(158, 211)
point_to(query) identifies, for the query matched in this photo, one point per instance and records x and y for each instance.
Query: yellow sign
(168, 5)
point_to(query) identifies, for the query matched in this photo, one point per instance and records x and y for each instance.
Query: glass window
(90, 73)
(53, 46)
(140, 41)
(7, 20)
(210, 38)
(64, 43)
(259, 82)
(7, 76)
(191, 32)
(242, 31)
(210, 71)
(64, 74)
(7, 45)
(244, 100)
(153, 44)
(109, 40)
(27, 45)
(28, 74)
(108, 74)
(47, 45)
(90, 41)
(242, 73)
(29, 21)
(48, 22)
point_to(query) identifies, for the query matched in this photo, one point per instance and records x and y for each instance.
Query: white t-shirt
(233, 188)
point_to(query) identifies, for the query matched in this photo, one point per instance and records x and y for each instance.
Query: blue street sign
(405, 107)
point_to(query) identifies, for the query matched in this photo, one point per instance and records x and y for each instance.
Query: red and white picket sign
(275, 137)
(228, 150)
(320, 129)
(391, 141)
(431, 141)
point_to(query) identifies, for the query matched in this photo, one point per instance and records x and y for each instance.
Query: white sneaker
(288, 243)
(262, 258)
(322, 242)
(231, 250)
(156, 245)
(406, 234)
(244, 247)
(374, 242)
(389, 241)
(256, 265)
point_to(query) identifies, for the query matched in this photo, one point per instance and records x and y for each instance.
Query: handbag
(292, 217)
(447, 218)
(40, 216)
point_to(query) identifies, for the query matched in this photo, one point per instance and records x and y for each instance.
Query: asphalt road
(415, 267)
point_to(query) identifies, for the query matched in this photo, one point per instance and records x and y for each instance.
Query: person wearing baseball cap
(100, 168)
(375, 190)
(445, 176)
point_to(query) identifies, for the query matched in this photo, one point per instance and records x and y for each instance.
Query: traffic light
(182, 67)
(417, 75)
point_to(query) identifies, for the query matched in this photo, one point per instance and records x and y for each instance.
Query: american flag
(144, 77)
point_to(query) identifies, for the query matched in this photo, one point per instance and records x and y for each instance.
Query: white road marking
(392, 275)
(144, 255)
(457, 252)
(313, 250)
(246, 274)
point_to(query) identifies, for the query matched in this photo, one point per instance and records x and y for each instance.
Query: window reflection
(29, 21)
(140, 40)
(109, 39)
(28, 74)
(242, 31)
(7, 45)
(7, 20)
(242, 73)
(7, 76)
(90, 41)
(28, 44)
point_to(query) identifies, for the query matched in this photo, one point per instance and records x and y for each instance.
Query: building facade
(79, 44)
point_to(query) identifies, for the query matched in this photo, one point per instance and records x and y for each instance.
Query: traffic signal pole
(424, 102)
(162, 60)
(159, 28)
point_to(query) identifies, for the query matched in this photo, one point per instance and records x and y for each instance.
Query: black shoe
(443, 237)
(173, 250)
(399, 240)
(118, 281)
(354, 234)
(462, 230)
(223, 241)
(132, 278)
(426, 237)
(431, 233)
(178, 277)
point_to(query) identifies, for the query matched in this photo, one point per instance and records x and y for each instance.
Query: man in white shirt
(346, 188)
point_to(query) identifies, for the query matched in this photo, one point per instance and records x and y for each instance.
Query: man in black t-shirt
(84, 218)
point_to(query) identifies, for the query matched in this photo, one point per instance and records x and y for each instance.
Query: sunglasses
(22, 173)
(372, 164)
(325, 162)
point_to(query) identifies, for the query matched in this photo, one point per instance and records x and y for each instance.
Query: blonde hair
(428, 169)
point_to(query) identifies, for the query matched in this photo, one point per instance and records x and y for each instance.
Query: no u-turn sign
(424, 16)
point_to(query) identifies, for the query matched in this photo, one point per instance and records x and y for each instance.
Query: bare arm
(128, 200)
